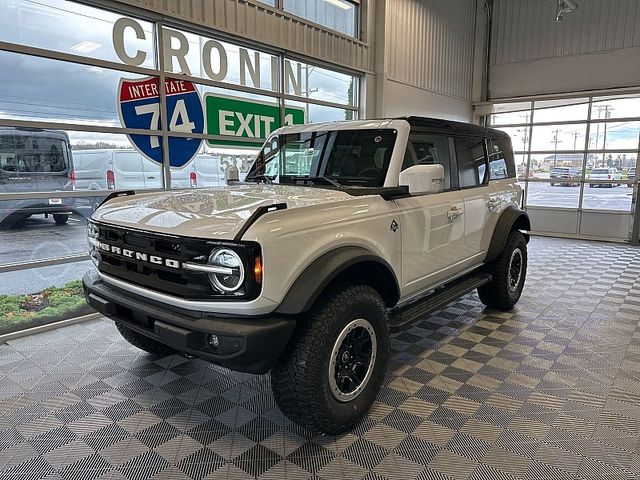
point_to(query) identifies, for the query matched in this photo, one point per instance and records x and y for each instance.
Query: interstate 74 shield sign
(139, 108)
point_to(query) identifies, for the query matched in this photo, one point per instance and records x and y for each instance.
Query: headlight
(230, 275)
(92, 239)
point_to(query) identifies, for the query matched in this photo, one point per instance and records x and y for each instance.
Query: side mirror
(423, 179)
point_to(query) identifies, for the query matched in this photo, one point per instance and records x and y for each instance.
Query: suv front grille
(160, 277)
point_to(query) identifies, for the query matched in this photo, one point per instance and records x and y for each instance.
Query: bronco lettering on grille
(143, 257)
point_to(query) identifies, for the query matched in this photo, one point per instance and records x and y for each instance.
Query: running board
(401, 318)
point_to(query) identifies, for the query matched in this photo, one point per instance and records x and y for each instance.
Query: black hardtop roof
(449, 126)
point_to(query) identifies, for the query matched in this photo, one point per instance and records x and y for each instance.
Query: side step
(403, 317)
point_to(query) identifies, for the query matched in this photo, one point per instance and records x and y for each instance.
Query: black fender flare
(321, 272)
(510, 218)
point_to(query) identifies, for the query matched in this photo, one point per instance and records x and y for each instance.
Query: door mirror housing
(423, 179)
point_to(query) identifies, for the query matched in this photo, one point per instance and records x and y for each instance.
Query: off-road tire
(301, 380)
(143, 343)
(60, 218)
(497, 294)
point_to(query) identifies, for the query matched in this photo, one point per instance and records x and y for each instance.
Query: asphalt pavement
(597, 198)
(38, 238)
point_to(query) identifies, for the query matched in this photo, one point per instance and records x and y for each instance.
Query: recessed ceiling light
(85, 47)
(339, 4)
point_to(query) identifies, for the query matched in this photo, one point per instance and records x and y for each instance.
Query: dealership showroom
(319, 239)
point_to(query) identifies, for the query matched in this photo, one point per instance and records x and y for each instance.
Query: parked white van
(126, 169)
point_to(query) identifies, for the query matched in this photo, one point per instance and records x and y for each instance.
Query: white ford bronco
(341, 234)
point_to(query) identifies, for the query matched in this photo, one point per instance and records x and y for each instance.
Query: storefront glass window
(337, 15)
(70, 27)
(75, 131)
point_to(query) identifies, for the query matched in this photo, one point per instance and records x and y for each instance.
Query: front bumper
(246, 344)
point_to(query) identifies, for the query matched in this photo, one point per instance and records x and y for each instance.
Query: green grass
(18, 312)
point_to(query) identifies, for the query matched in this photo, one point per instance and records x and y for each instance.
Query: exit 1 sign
(245, 119)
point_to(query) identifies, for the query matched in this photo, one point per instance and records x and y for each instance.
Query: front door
(433, 230)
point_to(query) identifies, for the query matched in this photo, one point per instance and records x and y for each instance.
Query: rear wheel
(508, 275)
(60, 218)
(336, 362)
(143, 343)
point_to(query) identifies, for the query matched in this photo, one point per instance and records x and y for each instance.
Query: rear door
(432, 225)
(480, 198)
(52, 165)
(152, 172)
(128, 171)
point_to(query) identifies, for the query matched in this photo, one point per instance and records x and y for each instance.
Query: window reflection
(338, 15)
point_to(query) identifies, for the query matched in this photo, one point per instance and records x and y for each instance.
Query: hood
(217, 213)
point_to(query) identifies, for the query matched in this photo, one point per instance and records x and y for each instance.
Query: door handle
(494, 204)
(454, 213)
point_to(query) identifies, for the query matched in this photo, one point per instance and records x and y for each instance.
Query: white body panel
(430, 246)
(605, 174)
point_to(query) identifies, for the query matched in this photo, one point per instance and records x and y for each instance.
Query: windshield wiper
(328, 180)
(266, 178)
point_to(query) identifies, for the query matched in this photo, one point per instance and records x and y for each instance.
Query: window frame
(357, 18)
(511, 172)
(487, 174)
(453, 165)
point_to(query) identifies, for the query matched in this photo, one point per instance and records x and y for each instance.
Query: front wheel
(508, 275)
(336, 361)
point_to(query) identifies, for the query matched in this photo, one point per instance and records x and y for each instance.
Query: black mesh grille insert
(160, 277)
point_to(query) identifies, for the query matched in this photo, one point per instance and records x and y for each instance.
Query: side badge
(394, 226)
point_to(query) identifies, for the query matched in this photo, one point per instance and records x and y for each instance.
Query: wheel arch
(511, 218)
(349, 264)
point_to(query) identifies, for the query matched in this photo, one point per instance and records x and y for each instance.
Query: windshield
(33, 153)
(355, 158)
(603, 171)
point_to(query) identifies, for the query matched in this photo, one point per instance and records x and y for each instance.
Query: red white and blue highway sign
(139, 107)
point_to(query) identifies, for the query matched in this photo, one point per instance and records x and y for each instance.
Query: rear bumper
(23, 209)
(246, 344)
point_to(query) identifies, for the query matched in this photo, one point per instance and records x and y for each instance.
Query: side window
(472, 163)
(500, 155)
(429, 149)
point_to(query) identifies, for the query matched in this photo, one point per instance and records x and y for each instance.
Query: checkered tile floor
(550, 390)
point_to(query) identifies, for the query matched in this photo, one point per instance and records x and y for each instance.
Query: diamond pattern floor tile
(549, 390)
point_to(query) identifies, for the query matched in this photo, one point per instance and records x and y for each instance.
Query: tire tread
(293, 376)
(495, 294)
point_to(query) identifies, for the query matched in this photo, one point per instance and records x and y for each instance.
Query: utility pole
(555, 148)
(607, 114)
(308, 71)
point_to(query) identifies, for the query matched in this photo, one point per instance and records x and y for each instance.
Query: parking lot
(38, 238)
(597, 198)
